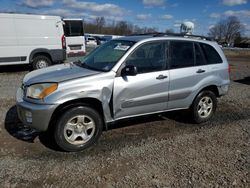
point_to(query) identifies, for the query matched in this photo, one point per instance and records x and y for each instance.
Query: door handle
(161, 77)
(200, 71)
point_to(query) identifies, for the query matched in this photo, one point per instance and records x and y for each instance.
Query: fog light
(224, 88)
(28, 116)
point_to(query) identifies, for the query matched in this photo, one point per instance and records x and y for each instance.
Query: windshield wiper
(78, 63)
(84, 65)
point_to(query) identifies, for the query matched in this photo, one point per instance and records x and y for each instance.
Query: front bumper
(34, 115)
(223, 90)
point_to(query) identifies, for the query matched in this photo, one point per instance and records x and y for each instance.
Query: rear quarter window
(211, 55)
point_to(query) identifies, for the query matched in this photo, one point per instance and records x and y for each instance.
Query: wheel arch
(89, 102)
(40, 51)
(212, 88)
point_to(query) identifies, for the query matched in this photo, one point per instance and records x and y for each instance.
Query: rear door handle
(161, 77)
(200, 71)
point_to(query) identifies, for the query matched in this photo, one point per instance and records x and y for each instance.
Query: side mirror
(129, 70)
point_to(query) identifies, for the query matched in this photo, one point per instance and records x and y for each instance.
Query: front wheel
(78, 128)
(204, 106)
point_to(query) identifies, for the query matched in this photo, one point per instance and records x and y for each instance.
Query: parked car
(102, 39)
(31, 39)
(124, 78)
(105, 38)
(91, 41)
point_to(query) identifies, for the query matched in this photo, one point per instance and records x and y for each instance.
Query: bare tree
(227, 30)
(100, 23)
(99, 26)
(123, 28)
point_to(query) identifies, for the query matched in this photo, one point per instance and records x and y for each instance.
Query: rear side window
(211, 55)
(181, 54)
(199, 58)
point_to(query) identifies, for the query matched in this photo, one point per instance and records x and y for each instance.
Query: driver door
(147, 91)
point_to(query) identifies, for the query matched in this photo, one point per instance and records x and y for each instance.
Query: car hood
(57, 73)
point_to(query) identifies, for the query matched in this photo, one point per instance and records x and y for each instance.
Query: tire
(78, 128)
(204, 106)
(40, 62)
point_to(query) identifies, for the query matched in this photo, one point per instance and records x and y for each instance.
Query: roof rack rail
(157, 34)
(142, 34)
(183, 35)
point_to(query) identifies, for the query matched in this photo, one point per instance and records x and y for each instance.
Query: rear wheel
(40, 62)
(204, 106)
(78, 128)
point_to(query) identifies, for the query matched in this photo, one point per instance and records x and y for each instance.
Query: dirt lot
(157, 151)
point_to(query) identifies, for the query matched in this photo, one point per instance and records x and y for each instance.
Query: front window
(149, 57)
(107, 55)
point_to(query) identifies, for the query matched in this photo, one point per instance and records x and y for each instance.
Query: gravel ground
(157, 151)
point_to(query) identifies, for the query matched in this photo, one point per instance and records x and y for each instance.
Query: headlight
(40, 91)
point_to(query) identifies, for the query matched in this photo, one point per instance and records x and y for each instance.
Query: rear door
(146, 92)
(74, 34)
(187, 70)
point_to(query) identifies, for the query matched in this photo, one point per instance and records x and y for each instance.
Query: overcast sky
(161, 14)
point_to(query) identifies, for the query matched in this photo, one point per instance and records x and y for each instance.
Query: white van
(74, 34)
(31, 39)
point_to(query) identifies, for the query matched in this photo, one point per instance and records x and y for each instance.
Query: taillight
(63, 42)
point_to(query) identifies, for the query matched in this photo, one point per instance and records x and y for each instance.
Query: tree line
(228, 31)
(100, 26)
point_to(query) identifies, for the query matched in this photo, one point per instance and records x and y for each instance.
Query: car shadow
(180, 116)
(16, 129)
(245, 80)
(15, 68)
(148, 123)
(21, 132)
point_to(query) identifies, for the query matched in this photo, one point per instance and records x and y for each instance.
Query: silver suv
(124, 78)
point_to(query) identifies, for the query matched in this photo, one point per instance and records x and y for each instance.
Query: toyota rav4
(124, 78)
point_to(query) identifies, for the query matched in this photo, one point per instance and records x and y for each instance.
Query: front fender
(99, 87)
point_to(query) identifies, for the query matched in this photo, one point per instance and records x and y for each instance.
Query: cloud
(247, 26)
(37, 3)
(211, 26)
(105, 9)
(143, 16)
(175, 5)
(177, 25)
(214, 15)
(68, 13)
(59, 12)
(166, 17)
(234, 2)
(153, 3)
(240, 13)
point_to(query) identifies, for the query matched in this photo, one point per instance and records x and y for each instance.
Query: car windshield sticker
(121, 47)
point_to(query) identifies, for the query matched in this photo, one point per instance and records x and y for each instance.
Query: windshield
(107, 55)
